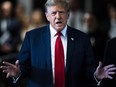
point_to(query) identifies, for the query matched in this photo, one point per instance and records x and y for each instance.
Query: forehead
(55, 8)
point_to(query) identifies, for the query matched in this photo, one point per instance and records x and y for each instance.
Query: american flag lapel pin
(72, 38)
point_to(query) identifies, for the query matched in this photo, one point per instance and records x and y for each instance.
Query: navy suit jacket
(35, 58)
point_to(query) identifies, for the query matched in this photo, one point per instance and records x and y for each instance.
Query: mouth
(59, 22)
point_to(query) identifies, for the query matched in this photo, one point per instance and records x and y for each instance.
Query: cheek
(65, 17)
(50, 19)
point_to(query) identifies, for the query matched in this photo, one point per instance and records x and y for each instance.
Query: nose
(58, 16)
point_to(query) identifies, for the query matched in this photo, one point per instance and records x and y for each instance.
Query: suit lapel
(70, 46)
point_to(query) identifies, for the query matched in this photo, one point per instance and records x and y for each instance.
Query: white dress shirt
(112, 32)
(53, 40)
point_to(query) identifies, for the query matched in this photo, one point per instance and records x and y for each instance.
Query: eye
(62, 12)
(53, 13)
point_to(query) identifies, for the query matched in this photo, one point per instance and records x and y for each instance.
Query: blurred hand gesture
(103, 72)
(11, 70)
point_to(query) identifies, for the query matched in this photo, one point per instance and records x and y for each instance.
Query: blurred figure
(20, 12)
(112, 14)
(109, 24)
(76, 15)
(9, 30)
(97, 37)
(9, 35)
(24, 20)
(26, 26)
(90, 23)
(28, 23)
(37, 18)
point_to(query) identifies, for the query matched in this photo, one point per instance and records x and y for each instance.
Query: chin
(59, 29)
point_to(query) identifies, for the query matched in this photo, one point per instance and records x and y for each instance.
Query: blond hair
(63, 3)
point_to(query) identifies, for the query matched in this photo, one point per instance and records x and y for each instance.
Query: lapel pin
(72, 38)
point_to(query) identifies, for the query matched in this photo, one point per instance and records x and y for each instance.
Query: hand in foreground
(103, 72)
(11, 70)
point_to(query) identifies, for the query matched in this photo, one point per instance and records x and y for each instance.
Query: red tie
(59, 62)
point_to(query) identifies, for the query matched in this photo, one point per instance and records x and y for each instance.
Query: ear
(68, 14)
(47, 16)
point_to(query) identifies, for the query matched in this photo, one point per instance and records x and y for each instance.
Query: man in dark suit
(110, 58)
(39, 56)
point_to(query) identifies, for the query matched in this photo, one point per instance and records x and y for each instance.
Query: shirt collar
(53, 31)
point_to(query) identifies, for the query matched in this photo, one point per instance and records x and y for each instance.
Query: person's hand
(103, 72)
(11, 70)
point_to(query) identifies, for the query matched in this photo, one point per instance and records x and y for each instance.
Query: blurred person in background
(9, 30)
(97, 37)
(24, 20)
(26, 26)
(76, 14)
(20, 12)
(29, 22)
(109, 24)
(37, 18)
(9, 36)
(112, 14)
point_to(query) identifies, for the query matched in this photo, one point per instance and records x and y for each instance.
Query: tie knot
(59, 33)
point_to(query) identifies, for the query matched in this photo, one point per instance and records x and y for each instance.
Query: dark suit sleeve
(24, 56)
(90, 63)
(110, 58)
(107, 54)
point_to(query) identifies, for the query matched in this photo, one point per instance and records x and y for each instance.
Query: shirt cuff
(98, 81)
(15, 79)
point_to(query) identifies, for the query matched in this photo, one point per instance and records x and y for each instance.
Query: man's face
(7, 8)
(57, 16)
(112, 12)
